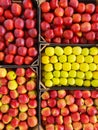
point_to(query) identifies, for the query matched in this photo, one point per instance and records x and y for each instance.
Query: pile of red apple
(18, 33)
(18, 101)
(69, 110)
(69, 22)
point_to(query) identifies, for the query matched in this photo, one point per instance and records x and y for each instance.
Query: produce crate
(35, 76)
(67, 86)
(66, 108)
(26, 62)
(42, 38)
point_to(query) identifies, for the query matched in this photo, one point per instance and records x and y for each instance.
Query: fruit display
(69, 66)
(64, 21)
(69, 110)
(18, 32)
(18, 99)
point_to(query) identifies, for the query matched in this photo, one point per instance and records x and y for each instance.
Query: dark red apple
(30, 23)
(16, 9)
(48, 17)
(45, 7)
(8, 14)
(57, 40)
(94, 26)
(49, 33)
(28, 60)
(2, 19)
(18, 33)
(68, 34)
(75, 27)
(32, 52)
(29, 13)
(19, 23)
(90, 36)
(20, 42)
(23, 98)
(33, 32)
(45, 26)
(9, 24)
(2, 30)
(27, 4)
(73, 3)
(54, 4)
(22, 51)
(95, 17)
(9, 58)
(67, 21)
(81, 7)
(18, 60)
(29, 42)
(69, 11)
(58, 31)
(12, 49)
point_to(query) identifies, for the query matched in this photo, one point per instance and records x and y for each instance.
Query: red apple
(77, 125)
(49, 33)
(0, 115)
(51, 102)
(5, 3)
(57, 40)
(23, 98)
(86, 17)
(20, 42)
(75, 116)
(9, 37)
(67, 119)
(81, 7)
(76, 18)
(67, 21)
(69, 11)
(94, 94)
(30, 85)
(21, 80)
(91, 110)
(50, 120)
(19, 23)
(46, 112)
(85, 27)
(45, 26)
(88, 126)
(69, 99)
(5, 99)
(55, 111)
(32, 103)
(84, 118)
(80, 102)
(88, 102)
(2, 30)
(95, 126)
(61, 93)
(58, 31)
(93, 119)
(16, 9)
(89, 8)
(12, 49)
(18, 33)
(28, 60)
(75, 40)
(59, 120)
(2, 19)
(68, 34)
(86, 94)
(73, 108)
(32, 52)
(4, 108)
(1, 56)
(3, 90)
(43, 103)
(22, 51)
(30, 23)
(22, 116)
(29, 13)
(13, 94)
(2, 46)
(33, 32)
(9, 58)
(64, 111)
(49, 127)
(45, 7)
(73, 3)
(18, 60)
(14, 103)
(31, 111)
(75, 27)
(54, 4)
(8, 14)
(15, 122)
(23, 125)
(61, 103)
(95, 17)
(30, 73)
(6, 118)
(3, 81)
(29, 42)
(53, 94)
(32, 94)
(59, 12)
(77, 94)
(27, 4)
(94, 26)
(63, 3)
(20, 72)
(48, 17)
(21, 89)
(68, 127)
(90, 36)
(9, 24)
(13, 112)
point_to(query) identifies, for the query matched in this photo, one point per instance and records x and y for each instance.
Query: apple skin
(59, 120)
(27, 4)
(67, 21)
(61, 93)
(57, 40)
(64, 111)
(67, 120)
(30, 24)
(9, 24)
(75, 116)
(58, 31)
(63, 3)
(91, 110)
(80, 102)
(45, 26)
(12, 49)
(77, 125)
(94, 26)
(73, 108)
(22, 51)
(77, 94)
(75, 28)
(43, 104)
(45, 7)
(73, 3)
(19, 23)
(32, 103)
(22, 116)
(29, 42)
(68, 34)
(1, 56)
(2, 30)
(48, 17)
(49, 127)
(9, 59)
(8, 14)
(3, 82)
(51, 102)
(23, 107)
(86, 17)
(20, 42)
(16, 9)
(1, 11)
(18, 33)
(90, 36)
(49, 34)
(94, 17)
(30, 73)
(33, 32)
(18, 60)
(5, 4)
(88, 102)
(1, 125)
(76, 18)
(9, 37)
(61, 103)
(69, 99)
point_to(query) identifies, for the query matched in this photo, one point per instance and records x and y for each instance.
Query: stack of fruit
(70, 66)
(18, 99)
(69, 22)
(18, 32)
(69, 110)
